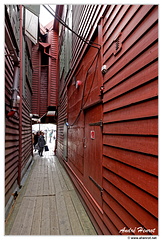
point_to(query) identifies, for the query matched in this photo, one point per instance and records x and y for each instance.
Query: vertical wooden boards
(93, 152)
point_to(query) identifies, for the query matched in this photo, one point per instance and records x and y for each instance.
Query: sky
(45, 16)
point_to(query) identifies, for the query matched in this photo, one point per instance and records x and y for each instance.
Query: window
(66, 35)
(31, 26)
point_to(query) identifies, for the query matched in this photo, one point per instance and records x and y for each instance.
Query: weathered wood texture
(62, 116)
(11, 124)
(53, 74)
(130, 144)
(36, 62)
(45, 81)
(128, 35)
(39, 82)
(84, 152)
(27, 146)
(43, 91)
(13, 132)
(73, 100)
(48, 203)
(84, 17)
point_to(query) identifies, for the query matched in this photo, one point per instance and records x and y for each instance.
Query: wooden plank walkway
(48, 203)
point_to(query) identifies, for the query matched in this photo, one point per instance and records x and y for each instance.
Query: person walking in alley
(36, 136)
(41, 143)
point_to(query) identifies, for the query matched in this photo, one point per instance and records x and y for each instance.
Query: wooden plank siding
(130, 143)
(53, 63)
(45, 82)
(70, 106)
(39, 83)
(27, 147)
(43, 90)
(82, 25)
(18, 139)
(62, 116)
(85, 27)
(11, 133)
(36, 62)
(119, 181)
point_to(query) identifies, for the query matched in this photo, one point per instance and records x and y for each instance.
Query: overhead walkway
(48, 203)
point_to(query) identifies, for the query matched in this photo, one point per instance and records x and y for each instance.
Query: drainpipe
(48, 54)
(21, 91)
(13, 53)
(15, 98)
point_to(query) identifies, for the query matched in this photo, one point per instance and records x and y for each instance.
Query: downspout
(15, 98)
(21, 94)
(13, 53)
(48, 54)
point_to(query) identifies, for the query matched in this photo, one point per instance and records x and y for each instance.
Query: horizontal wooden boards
(130, 117)
(131, 207)
(141, 161)
(11, 131)
(128, 35)
(139, 178)
(142, 144)
(134, 127)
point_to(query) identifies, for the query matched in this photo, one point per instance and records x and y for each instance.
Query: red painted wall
(53, 64)
(39, 82)
(119, 181)
(11, 135)
(18, 128)
(45, 81)
(36, 62)
(130, 144)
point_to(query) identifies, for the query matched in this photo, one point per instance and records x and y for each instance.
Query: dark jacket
(41, 141)
(36, 139)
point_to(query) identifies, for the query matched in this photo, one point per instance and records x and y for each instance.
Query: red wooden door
(93, 152)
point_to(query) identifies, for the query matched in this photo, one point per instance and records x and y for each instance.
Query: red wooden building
(108, 112)
(44, 80)
(18, 94)
(93, 72)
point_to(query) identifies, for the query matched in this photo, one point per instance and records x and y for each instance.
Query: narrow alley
(92, 72)
(48, 203)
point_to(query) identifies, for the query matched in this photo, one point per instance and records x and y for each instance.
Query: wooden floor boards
(48, 203)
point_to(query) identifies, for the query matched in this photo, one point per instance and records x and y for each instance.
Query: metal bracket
(100, 123)
(96, 184)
